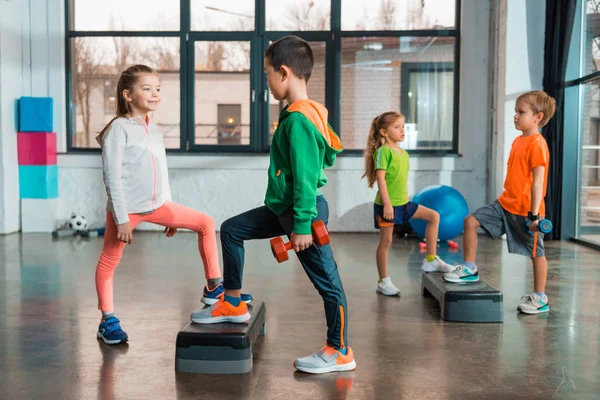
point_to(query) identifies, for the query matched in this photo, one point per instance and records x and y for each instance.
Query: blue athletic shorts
(401, 214)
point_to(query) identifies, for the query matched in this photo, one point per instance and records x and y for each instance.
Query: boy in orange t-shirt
(521, 200)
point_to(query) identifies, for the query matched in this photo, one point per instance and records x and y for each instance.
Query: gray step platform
(223, 348)
(463, 302)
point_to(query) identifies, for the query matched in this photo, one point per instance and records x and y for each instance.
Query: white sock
(106, 315)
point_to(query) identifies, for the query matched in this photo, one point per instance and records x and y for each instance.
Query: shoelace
(528, 298)
(459, 269)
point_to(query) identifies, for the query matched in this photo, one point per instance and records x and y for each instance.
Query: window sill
(352, 161)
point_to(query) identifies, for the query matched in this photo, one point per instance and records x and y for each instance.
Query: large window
(370, 57)
(589, 165)
(582, 125)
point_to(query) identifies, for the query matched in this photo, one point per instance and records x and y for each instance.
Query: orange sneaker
(222, 311)
(326, 360)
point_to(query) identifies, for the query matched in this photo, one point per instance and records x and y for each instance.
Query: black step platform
(463, 302)
(223, 348)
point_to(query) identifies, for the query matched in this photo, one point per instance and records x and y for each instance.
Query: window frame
(573, 122)
(259, 39)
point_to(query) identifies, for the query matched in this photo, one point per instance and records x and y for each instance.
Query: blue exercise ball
(451, 206)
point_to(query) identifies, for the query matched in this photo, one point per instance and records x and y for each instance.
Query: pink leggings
(171, 215)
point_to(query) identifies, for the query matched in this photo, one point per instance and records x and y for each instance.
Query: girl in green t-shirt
(388, 165)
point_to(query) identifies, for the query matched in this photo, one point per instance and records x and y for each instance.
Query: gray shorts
(496, 221)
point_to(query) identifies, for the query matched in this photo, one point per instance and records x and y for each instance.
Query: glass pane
(298, 15)
(222, 15)
(222, 93)
(316, 87)
(119, 15)
(97, 64)
(413, 75)
(384, 15)
(589, 193)
(592, 37)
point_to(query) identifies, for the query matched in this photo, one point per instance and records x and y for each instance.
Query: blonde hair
(127, 80)
(376, 140)
(540, 102)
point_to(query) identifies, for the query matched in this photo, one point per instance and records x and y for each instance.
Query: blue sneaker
(210, 297)
(462, 274)
(110, 331)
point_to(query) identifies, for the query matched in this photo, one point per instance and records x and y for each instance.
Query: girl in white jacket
(134, 166)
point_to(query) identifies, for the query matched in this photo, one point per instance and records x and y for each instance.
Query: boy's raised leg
(259, 223)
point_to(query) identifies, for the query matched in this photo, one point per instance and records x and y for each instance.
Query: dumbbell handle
(545, 226)
(320, 237)
(288, 245)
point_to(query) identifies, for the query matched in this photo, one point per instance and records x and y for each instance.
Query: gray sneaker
(462, 274)
(326, 360)
(534, 304)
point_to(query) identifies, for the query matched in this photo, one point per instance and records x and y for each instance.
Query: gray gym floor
(48, 323)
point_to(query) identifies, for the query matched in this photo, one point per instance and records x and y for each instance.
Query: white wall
(31, 64)
(519, 68)
(14, 72)
(223, 185)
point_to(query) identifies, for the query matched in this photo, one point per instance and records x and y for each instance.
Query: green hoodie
(303, 146)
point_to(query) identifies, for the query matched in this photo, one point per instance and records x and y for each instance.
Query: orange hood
(317, 114)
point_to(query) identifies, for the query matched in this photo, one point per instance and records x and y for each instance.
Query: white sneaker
(437, 265)
(326, 360)
(534, 304)
(387, 288)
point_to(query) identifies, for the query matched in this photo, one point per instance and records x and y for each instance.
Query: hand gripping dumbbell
(280, 249)
(545, 226)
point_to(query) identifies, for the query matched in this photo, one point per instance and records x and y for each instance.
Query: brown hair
(540, 102)
(375, 141)
(127, 80)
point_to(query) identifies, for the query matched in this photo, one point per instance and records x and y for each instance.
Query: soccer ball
(78, 222)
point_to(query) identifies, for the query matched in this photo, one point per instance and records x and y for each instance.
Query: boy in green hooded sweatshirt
(303, 146)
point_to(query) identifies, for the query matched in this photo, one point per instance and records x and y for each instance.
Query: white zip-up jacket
(134, 166)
